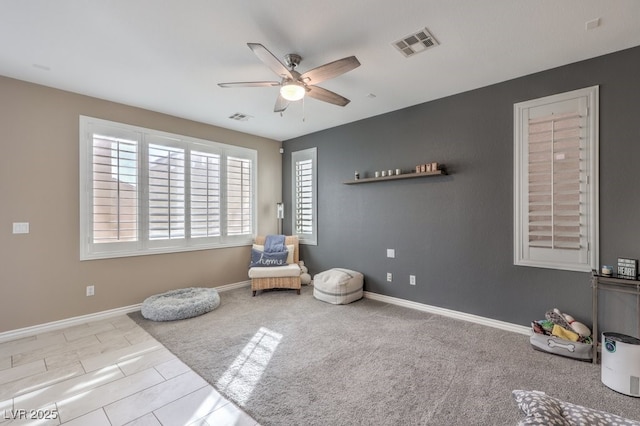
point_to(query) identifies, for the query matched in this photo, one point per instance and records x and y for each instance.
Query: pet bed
(180, 304)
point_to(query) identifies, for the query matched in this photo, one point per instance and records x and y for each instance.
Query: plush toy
(578, 327)
(568, 322)
(305, 278)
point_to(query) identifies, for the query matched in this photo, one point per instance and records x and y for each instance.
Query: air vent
(238, 116)
(415, 43)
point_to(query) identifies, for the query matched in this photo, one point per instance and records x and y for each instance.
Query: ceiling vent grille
(415, 43)
(238, 116)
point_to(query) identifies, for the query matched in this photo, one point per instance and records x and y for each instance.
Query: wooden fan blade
(270, 60)
(327, 96)
(330, 70)
(250, 84)
(281, 104)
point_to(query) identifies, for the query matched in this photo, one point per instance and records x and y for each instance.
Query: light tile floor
(106, 372)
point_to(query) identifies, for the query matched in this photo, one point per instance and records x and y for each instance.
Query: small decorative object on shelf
(606, 270)
(357, 175)
(398, 172)
(627, 268)
(427, 167)
(377, 174)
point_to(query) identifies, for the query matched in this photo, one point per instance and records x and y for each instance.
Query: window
(556, 181)
(239, 201)
(304, 178)
(145, 192)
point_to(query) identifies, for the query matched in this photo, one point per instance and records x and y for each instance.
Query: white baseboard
(502, 325)
(234, 286)
(70, 322)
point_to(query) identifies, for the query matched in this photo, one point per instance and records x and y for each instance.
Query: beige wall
(41, 277)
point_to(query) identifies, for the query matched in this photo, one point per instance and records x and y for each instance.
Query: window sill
(164, 250)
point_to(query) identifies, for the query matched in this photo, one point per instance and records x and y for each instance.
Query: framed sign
(627, 268)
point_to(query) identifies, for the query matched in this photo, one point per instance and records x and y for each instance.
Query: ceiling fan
(293, 85)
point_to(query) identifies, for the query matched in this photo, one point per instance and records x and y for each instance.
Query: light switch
(391, 253)
(20, 227)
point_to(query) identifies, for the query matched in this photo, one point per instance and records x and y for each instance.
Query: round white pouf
(180, 304)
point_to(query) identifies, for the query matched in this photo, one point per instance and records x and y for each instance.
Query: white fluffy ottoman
(338, 286)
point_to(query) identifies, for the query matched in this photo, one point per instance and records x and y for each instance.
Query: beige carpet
(293, 360)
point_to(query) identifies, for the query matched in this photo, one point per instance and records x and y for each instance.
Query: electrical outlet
(412, 279)
(389, 277)
(90, 290)
(20, 227)
(391, 253)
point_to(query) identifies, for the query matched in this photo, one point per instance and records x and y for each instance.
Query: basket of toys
(561, 334)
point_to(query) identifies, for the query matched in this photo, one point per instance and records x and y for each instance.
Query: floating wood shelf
(395, 177)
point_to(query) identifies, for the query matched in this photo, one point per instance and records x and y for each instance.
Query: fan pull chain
(303, 117)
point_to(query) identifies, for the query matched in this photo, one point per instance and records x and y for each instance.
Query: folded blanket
(274, 244)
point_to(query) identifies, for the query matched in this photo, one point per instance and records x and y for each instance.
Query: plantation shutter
(556, 200)
(239, 196)
(144, 191)
(556, 196)
(304, 195)
(205, 194)
(166, 192)
(114, 189)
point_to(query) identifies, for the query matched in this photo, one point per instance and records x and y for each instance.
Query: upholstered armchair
(285, 276)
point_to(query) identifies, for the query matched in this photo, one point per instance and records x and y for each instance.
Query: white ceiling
(168, 56)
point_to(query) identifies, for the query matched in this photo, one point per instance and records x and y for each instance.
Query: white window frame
(586, 257)
(143, 244)
(309, 154)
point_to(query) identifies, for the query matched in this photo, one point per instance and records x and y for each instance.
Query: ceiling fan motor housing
(292, 60)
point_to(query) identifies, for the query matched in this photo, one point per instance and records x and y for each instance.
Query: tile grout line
(107, 415)
(199, 419)
(110, 383)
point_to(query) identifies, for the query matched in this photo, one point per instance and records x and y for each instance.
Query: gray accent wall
(455, 232)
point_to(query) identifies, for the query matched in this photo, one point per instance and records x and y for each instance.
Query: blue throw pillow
(260, 258)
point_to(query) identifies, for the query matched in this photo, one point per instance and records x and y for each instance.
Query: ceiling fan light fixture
(292, 91)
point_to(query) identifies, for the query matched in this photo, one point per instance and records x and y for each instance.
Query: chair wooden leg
(298, 291)
(254, 293)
